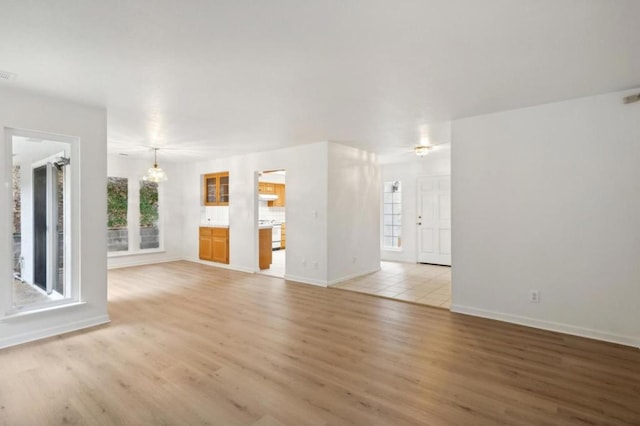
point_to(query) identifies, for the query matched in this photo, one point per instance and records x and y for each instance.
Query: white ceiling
(234, 76)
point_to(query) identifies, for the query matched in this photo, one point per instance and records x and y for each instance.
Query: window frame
(72, 237)
(385, 247)
(133, 217)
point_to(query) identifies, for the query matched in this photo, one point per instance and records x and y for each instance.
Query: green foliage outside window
(117, 202)
(148, 204)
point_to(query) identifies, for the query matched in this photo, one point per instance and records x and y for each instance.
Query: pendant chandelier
(155, 173)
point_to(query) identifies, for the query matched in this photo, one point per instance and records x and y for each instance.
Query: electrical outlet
(534, 296)
(304, 262)
(315, 264)
(355, 259)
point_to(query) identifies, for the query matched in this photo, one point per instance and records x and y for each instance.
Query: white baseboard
(30, 336)
(141, 262)
(548, 325)
(352, 276)
(304, 280)
(219, 265)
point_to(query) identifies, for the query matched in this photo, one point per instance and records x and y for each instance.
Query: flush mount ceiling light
(155, 173)
(421, 150)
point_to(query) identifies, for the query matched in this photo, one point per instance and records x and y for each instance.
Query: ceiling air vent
(6, 75)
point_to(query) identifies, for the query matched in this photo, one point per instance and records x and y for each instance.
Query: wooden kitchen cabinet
(215, 189)
(279, 190)
(266, 188)
(265, 253)
(214, 244)
(283, 236)
(280, 202)
(206, 244)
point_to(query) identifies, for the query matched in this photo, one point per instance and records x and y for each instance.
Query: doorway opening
(423, 276)
(41, 176)
(272, 222)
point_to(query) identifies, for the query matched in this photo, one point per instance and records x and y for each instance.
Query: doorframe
(72, 235)
(52, 242)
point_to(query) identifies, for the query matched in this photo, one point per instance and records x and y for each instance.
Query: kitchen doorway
(272, 222)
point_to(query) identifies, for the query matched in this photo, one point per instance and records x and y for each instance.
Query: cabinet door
(280, 192)
(265, 250)
(210, 189)
(205, 246)
(269, 188)
(220, 245)
(223, 188)
(283, 236)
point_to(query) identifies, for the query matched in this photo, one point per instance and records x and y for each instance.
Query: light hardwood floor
(194, 344)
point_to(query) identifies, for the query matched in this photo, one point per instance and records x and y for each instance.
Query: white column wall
(306, 208)
(353, 213)
(28, 111)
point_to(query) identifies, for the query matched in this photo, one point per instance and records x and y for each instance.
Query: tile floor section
(412, 282)
(277, 267)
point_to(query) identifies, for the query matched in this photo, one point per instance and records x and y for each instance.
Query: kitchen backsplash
(271, 213)
(218, 215)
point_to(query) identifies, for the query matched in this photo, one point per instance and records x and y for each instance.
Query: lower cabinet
(214, 244)
(283, 236)
(265, 256)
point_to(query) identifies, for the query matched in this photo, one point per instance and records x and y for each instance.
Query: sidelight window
(391, 215)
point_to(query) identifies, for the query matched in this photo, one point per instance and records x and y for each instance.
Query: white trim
(393, 249)
(143, 262)
(42, 307)
(53, 331)
(219, 265)
(72, 241)
(352, 276)
(303, 280)
(548, 325)
(126, 253)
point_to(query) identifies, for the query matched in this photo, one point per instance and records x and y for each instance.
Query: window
(391, 213)
(44, 199)
(149, 229)
(133, 215)
(117, 209)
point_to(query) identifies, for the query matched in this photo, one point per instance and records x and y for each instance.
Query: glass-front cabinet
(216, 189)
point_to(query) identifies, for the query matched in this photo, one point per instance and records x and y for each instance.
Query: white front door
(434, 220)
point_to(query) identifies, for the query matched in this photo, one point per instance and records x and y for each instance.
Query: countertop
(214, 225)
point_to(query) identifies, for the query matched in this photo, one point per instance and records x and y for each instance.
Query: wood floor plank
(193, 344)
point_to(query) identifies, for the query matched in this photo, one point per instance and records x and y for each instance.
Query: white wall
(306, 208)
(436, 163)
(171, 211)
(353, 213)
(548, 198)
(23, 110)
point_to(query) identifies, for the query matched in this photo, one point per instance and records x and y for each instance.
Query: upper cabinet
(273, 189)
(279, 191)
(216, 189)
(266, 188)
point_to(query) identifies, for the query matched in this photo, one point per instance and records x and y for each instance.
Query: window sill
(396, 250)
(135, 253)
(53, 307)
